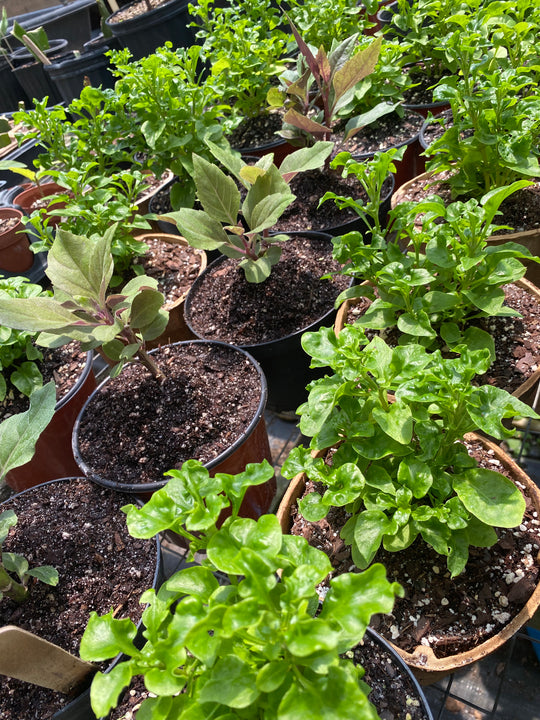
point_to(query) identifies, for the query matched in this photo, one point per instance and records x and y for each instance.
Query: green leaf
(491, 497)
(488, 405)
(106, 636)
(19, 433)
(216, 191)
(396, 421)
(27, 378)
(272, 675)
(356, 69)
(37, 314)
(231, 682)
(415, 475)
(46, 573)
(106, 688)
(196, 581)
(199, 229)
(145, 307)
(309, 158)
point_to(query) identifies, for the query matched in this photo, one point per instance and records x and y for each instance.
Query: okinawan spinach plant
(18, 437)
(400, 467)
(218, 225)
(254, 648)
(312, 116)
(18, 353)
(80, 270)
(449, 277)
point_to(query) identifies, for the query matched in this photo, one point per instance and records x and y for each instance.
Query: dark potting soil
(448, 615)
(517, 340)
(424, 82)
(226, 307)
(78, 528)
(520, 211)
(254, 132)
(152, 183)
(136, 9)
(64, 365)
(136, 428)
(174, 266)
(389, 131)
(309, 187)
(393, 693)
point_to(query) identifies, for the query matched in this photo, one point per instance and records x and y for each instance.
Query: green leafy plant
(245, 46)
(80, 269)
(400, 467)
(256, 647)
(496, 120)
(173, 107)
(448, 278)
(311, 115)
(323, 21)
(218, 225)
(18, 353)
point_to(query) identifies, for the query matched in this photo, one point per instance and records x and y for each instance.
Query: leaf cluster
(254, 648)
(401, 469)
(240, 228)
(447, 279)
(80, 270)
(18, 353)
(321, 84)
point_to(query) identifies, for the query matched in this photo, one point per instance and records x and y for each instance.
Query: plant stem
(11, 588)
(150, 364)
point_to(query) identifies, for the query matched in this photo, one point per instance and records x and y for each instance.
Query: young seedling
(256, 647)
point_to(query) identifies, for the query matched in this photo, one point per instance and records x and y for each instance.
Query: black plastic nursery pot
(252, 446)
(12, 91)
(78, 707)
(284, 362)
(145, 32)
(70, 72)
(71, 22)
(22, 55)
(36, 83)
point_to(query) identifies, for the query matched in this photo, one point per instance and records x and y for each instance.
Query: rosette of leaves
(18, 353)
(80, 270)
(447, 279)
(240, 229)
(321, 85)
(400, 468)
(256, 647)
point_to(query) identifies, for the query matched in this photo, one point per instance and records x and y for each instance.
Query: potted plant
(449, 285)
(400, 470)
(258, 271)
(267, 638)
(160, 383)
(15, 254)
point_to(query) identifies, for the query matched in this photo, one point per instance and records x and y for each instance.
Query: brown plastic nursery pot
(425, 665)
(28, 197)
(15, 253)
(53, 457)
(251, 446)
(530, 239)
(176, 329)
(525, 392)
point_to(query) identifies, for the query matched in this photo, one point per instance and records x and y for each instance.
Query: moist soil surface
(393, 692)
(520, 211)
(424, 81)
(389, 131)
(174, 266)
(448, 615)
(309, 187)
(78, 528)
(136, 428)
(517, 340)
(258, 131)
(224, 306)
(64, 365)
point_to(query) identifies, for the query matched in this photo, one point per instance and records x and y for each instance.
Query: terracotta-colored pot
(530, 239)
(15, 253)
(176, 329)
(525, 392)
(53, 457)
(28, 197)
(426, 667)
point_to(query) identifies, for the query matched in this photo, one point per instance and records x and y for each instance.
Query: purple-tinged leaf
(356, 69)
